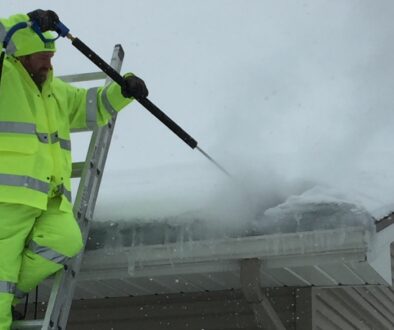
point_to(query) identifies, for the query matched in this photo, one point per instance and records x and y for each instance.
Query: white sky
(279, 92)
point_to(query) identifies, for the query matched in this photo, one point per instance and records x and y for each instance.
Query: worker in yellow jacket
(38, 232)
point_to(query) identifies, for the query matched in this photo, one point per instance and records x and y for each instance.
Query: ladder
(90, 172)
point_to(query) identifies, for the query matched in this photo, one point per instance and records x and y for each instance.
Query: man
(38, 233)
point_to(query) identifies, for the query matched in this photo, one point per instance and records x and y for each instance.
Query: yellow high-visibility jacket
(35, 148)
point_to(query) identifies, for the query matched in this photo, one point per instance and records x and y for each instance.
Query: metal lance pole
(146, 103)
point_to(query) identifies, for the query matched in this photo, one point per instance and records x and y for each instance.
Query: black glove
(134, 87)
(46, 19)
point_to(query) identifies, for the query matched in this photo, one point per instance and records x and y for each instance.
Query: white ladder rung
(71, 78)
(27, 325)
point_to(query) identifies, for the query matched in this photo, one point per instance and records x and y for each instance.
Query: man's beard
(40, 77)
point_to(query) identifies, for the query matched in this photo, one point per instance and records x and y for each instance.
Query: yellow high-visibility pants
(33, 245)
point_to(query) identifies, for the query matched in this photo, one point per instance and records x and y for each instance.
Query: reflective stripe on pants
(7, 287)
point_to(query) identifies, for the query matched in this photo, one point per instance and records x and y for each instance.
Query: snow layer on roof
(186, 194)
(319, 208)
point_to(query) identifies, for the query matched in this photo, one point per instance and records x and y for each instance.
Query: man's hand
(134, 87)
(46, 19)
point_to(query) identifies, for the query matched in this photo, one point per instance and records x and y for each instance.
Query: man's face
(38, 65)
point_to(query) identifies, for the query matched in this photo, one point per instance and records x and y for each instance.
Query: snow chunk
(318, 208)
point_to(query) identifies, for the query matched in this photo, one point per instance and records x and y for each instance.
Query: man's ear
(24, 60)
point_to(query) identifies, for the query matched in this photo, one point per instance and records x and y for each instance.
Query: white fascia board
(345, 245)
(350, 256)
(350, 240)
(379, 256)
(323, 242)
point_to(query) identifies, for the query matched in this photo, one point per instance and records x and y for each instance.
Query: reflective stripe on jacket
(35, 148)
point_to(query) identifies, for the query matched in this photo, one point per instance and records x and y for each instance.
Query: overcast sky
(279, 92)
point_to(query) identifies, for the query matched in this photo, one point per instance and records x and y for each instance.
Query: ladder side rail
(46, 323)
(83, 210)
(86, 215)
(87, 199)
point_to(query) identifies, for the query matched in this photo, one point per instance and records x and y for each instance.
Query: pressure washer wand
(146, 103)
(64, 31)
